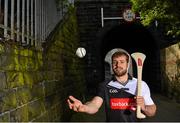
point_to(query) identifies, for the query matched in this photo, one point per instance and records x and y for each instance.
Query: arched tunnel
(40, 69)
(133, 37)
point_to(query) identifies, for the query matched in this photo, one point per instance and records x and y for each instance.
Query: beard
(119, 72)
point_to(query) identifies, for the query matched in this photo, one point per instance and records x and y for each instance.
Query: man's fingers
(139, 100)
(72, 98)
(75, 104)
(75, 108)
(78, 108)
(69, 103)
(138, 97)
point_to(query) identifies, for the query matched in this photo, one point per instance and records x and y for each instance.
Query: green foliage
(2, 50)
(23, 96)
(166, 12)
(61, 4)
(4, 118)
(28, 79)
(15, 79)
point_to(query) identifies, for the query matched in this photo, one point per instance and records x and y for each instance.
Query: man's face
(119, 65)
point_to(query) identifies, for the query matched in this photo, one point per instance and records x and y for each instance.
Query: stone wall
(170, 67)
(35, 83)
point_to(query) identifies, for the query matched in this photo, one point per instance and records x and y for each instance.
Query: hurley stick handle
(139, 59)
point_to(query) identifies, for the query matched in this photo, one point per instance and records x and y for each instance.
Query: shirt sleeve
(101, 90)
(146, 94)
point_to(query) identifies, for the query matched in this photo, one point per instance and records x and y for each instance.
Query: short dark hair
(120, 53)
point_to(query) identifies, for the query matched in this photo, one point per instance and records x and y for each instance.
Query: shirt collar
(129, 78)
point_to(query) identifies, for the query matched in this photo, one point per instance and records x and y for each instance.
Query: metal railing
(29, 22)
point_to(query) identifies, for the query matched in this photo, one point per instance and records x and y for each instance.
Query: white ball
(81, 52)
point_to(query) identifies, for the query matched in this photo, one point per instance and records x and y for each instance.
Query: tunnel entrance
(133, 37)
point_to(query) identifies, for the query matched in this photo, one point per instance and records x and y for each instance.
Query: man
(119, 94)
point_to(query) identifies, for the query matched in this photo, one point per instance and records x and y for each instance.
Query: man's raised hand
(76, 105)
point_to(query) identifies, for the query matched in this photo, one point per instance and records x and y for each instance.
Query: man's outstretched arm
(90, 107)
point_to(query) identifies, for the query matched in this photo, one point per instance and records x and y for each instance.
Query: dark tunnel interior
(134, 37)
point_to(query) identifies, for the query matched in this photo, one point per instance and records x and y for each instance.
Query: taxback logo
(122, 103)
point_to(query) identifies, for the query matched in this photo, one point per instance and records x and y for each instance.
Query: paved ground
(167, 111)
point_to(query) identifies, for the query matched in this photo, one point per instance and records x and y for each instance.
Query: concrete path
(167, 111)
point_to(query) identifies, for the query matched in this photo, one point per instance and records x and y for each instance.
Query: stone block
(14, 79)
(37, 91)
(8, 100)
(3, 82)
(23, 95)
(20, 114)
(28, 79)
(36, 109)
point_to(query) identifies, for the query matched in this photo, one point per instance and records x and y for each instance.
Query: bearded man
(119, 94)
